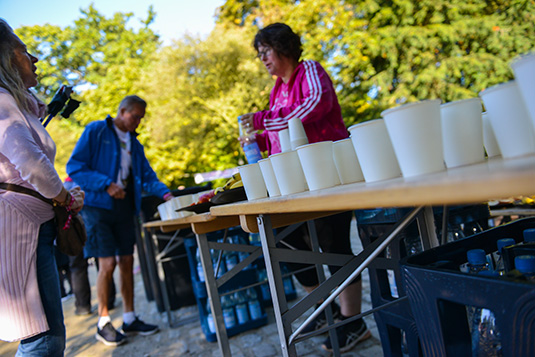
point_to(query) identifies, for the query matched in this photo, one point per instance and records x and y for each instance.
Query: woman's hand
(78, 196)
(247, 123)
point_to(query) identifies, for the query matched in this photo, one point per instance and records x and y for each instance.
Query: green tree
(100, 57)
(196, 89)
(385, 53)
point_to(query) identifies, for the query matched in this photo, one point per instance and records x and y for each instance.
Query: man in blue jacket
(109, 164)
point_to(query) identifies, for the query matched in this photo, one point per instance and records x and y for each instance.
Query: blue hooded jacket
(95, 161)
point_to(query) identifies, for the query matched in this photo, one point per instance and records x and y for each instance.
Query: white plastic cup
(489, 139)
(269, 177)
(180, 202)
(524, 69)
(415, 131)
(462, 132)
(509, 119)
(318, 165)
(288, 171)
(253, 182)
(162, 210)
(284, 140)
(374, 150)
(346, 162)
(298, 136)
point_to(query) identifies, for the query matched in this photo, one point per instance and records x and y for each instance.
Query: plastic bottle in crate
(255, 309)
(200, 271)
(231, 259)
(254, 239)
(529, 235)
(209, 318)
(242, 308)
(227, 306)
(485, 335)
(262, 276)
(525, 264)
(501, 243)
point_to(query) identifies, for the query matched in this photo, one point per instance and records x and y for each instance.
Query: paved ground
(188, 340)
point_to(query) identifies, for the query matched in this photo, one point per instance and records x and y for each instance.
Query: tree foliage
(379, 53)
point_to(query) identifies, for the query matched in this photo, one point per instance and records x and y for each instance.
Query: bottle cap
(476, 256)
(525, 263)
(529, 235)
(504, 242)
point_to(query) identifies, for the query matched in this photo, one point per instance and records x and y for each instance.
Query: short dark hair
(131, 100)
(280, 38)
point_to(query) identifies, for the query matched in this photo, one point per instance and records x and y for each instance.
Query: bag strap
(24, 190)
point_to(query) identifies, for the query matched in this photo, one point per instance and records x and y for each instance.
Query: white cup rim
(448, 104)
(342, 140)
(281, 153)
(367, 122)
(408, 105)
(525, 57)
(496, 87)
(327, 142)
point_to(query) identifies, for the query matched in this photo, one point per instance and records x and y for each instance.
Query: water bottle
(200, 271)
(250, 146)
(502, 243)
(525, 264)
(242, 307)
(255, 309)
(262, 276)
(529, 235)
(209, 318)
(254, 239)
(227, 306)
(391, 275)
(483, 329)
(287, 282)
(231, 260)
(219, 272)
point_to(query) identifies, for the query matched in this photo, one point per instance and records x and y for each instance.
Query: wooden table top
(493, 179)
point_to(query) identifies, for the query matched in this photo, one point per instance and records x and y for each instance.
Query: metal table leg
(280, 305)
(213, 294)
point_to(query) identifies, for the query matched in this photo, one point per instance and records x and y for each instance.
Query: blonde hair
(10, 78)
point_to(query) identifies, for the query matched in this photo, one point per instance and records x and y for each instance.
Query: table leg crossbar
(335, 284)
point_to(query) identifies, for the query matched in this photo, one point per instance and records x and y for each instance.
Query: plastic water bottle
(200, 271)
(255, 309)
(254, 239)
(242, 308)
(231, 259)
(391, 275)
(250, 146)
(529, 235)
(485, 335)
(525, 264)
(262, 276)
(209, 318)
(502, 243)
(227, 306)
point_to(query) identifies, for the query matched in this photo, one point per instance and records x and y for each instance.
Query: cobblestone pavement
(188, 340)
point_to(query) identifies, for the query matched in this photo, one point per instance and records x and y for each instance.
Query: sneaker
(110, 336)
(349, 335)
(321, 320)
(139, 327)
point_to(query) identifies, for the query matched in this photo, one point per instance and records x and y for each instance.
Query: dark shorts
(110, 232)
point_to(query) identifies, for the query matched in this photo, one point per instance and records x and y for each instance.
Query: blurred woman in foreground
(30, 303)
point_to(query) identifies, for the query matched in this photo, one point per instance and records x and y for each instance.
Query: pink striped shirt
(26, 158)
(308, 95)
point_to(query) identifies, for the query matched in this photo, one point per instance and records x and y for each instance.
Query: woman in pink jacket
(30, 303)
(304, 90)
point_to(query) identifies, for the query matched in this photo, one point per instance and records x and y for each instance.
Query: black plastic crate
(439, 293)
